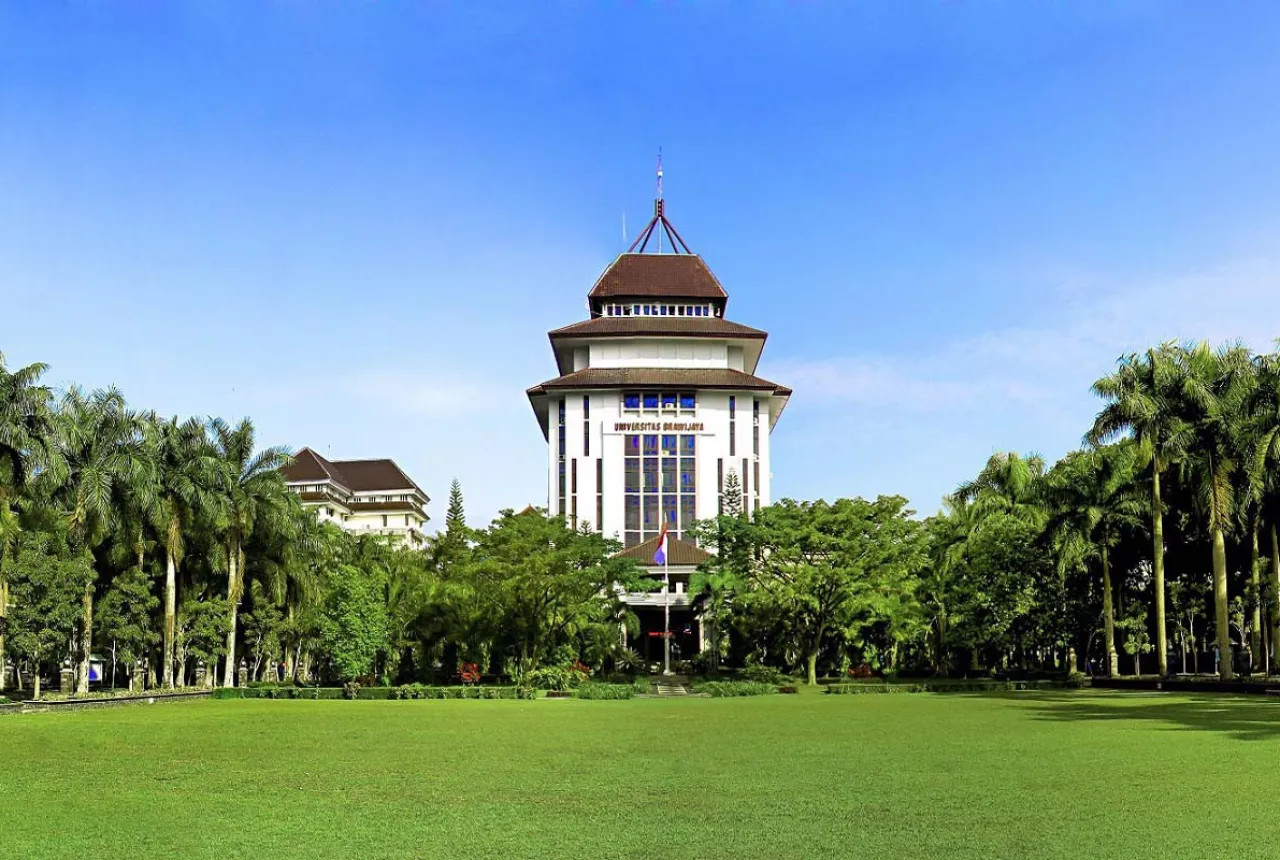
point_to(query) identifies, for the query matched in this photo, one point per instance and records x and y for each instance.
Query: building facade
(656, 403)
(360, 496)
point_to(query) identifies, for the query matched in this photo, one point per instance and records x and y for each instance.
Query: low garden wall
(81, 704)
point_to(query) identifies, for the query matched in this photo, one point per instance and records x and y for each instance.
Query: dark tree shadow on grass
(1244, 718)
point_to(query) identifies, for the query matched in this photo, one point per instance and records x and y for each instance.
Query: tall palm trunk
(170, 615)
(4, 620)
(1275, 597)
(233, 594)
(1108, 617)
(1157, 558)
(1220, 609)
(86, 639)
(1255, 578)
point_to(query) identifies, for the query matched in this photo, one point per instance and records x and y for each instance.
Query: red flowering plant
(862, 670)
(470, 673)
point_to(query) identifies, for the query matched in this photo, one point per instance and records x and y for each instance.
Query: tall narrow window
(733, 426)
(560, 436)
(720, 486)
(586, 425)
(755, 427)
(600, 495)
(746, 485)
(573, 489)
(756, 482)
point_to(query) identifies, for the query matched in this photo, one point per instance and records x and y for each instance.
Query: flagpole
(666, 614)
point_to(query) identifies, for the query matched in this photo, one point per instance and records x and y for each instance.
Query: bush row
(597, 690)
(424, 691)
(725, 689)
(952, 687)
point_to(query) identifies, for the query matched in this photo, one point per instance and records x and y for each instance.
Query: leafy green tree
(264, 627)
(1144, 399)
(47, 582)
(1137, 641)
(1094, 502)
(202, 632)
(124, 620)
(825, 569)
(540, 584)
(25, 431)
(1263, 471)
(253, 496)
(353, 623)
(1187, 600)
(723, 575)
(1008, 482)
(995, 583)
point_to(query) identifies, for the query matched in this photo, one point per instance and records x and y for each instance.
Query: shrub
(788, 688)
(765, 675)
(557, 677)
(351, 690)
(862, 670)
(727, 689)
(593, 690)
(642, 686)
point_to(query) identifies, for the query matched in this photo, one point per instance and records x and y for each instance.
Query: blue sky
(355, 222)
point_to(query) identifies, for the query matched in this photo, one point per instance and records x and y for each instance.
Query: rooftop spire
(659, 219)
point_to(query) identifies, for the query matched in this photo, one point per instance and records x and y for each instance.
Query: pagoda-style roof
(642, 326)
(657, 276)
(679, 552)
(667, 377)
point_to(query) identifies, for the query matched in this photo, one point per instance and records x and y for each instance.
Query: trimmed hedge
(731, 689)
(423, 691)
(952, 687)
(596, 690)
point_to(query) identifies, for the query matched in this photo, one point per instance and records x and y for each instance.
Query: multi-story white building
(657, 401)
(360, 496)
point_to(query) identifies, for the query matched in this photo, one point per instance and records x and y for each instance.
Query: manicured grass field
(1069, 775)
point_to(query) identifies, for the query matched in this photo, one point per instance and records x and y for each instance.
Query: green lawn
(1068, 775)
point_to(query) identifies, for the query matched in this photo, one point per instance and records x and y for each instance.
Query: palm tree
(1143, 398)
(1093, 502)
(186, 470)
(253, 493)
(1264, 485)
(1215, 388)
(1008, 482)
(101, 468)
(25, 430)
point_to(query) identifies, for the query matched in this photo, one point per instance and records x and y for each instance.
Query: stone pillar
(201, 673)
(244, 674)
(67, 680)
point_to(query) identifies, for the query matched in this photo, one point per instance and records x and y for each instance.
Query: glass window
(631, 400)
(686, 512)
(688, 401)
(632, 513)
(669, 513)
(651, 446)
(650, 475)
(664, 310)
(631, 446)
(651, 401)
(680, 310)
(636, 309)
(650, 522)
(631, 475)
(668, 475)
(668, 401)
(669, 446)
(687, 476)
(688, 445)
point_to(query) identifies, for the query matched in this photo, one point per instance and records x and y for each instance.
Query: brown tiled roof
(622, 377)
(355, 475)
(307, 465)
(668, 275)
(639, 326)
(678, 552)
